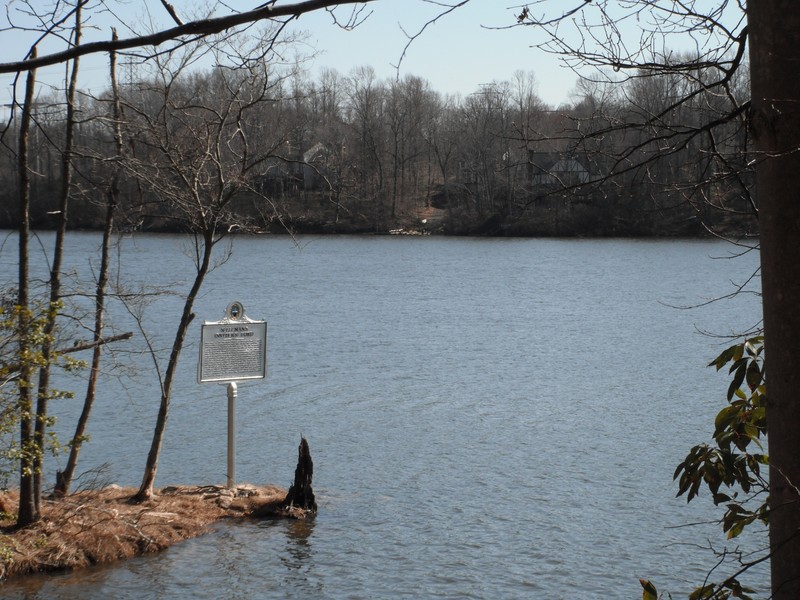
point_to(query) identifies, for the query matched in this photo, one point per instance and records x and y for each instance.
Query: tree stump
(300, 495)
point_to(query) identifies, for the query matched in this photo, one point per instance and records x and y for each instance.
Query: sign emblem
(235, 311)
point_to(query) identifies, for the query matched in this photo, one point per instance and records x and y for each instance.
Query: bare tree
(195, 155)
(487, 128)
(47, 346)
(442, 136)
(366, 100)
(64, 479)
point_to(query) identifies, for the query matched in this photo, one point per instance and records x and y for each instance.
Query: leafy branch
(731, 467)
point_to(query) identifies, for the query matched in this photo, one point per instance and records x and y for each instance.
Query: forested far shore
(356, 154)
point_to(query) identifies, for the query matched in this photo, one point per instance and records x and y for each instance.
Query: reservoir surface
(488, 418)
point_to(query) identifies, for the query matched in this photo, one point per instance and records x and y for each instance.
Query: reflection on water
(291, 543)
(238, 558)
(298, 549)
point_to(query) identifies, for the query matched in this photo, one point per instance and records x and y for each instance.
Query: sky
(472, 45)
(459, 52)
(462, 50)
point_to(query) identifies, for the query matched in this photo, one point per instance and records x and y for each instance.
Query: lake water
(488, 418)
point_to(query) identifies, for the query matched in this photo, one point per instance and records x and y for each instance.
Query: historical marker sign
(234, 349)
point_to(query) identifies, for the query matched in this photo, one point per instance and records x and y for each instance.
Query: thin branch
(79, 347)
(171, 10)
(411, 37)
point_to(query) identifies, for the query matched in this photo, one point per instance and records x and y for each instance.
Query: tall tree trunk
(27, 509)
(64, 480)
(774, 59)
(55, 273)
(146, 489)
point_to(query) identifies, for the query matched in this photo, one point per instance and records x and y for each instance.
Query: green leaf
(723, 358)
(702, 593)
(738, 379)
(724, 417)
(720, 498)
(753, 375)
(737, 528)
(754, 346)
(752, 432)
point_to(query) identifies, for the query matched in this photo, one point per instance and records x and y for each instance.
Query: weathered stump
(300, 495)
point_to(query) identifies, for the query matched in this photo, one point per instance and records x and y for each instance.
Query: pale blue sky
(456, 54)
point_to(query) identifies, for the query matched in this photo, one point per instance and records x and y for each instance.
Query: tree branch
(79, 347)
(198, 29)
(171, 10)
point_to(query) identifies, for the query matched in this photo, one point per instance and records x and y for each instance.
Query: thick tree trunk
(774, 59)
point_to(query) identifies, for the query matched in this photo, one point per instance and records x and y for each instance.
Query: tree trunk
(774, 56)
(64, 480)
(55, 276)
(146, 489)
(27, 510)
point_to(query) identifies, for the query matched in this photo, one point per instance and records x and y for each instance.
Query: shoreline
(100, 527)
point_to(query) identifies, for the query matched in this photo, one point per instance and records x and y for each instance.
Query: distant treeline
(352, 153)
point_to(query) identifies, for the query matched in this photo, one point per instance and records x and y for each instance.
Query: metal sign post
(231, 434)
(231, 350)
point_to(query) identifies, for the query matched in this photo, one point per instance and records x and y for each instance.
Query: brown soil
(103, 526)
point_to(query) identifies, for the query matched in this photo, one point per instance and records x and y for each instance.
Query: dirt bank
(102, 526)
